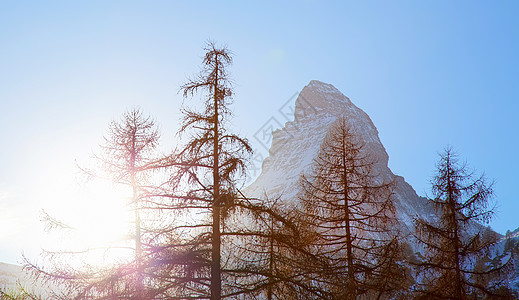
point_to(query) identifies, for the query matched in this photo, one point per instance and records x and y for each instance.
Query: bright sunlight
(97, 221)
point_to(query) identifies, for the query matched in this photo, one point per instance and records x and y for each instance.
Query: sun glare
(99, 220)
(107, 219)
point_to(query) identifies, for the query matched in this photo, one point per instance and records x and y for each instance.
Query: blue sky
(429, 74)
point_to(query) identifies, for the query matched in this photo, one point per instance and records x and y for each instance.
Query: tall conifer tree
(456, 242)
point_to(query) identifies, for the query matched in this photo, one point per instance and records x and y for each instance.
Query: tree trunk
(216, 277)
(271, 261)
(138, 242)
(458, 285)
(351, 272)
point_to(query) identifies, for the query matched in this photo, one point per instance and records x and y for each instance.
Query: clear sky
(429, 74)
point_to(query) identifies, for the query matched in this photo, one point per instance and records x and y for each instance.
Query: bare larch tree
(350, 209)
(124, 158)
(211, 159)
(455, 243)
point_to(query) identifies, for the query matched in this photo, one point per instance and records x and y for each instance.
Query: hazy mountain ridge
(11, 276)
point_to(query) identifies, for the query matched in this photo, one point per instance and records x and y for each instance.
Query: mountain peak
(318, 95)
(295, 146)
(320, 84)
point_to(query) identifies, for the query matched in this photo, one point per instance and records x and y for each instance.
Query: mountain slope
(11, 276)
(295, 146)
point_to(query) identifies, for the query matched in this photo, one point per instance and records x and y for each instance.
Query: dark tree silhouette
(207, 168)
(455, 243)
(270, 254)
(351, 213)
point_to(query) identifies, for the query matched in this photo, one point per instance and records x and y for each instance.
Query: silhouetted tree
(352, 213)
(270, 252)
(126, 151)
(205, 183)
(456, 244)
(125, 159)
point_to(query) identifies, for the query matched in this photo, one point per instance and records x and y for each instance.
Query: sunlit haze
(428, 73)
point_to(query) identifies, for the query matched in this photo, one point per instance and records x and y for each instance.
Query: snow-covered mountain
(295, 146)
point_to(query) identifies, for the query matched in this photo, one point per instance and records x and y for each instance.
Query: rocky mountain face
(295, 146)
